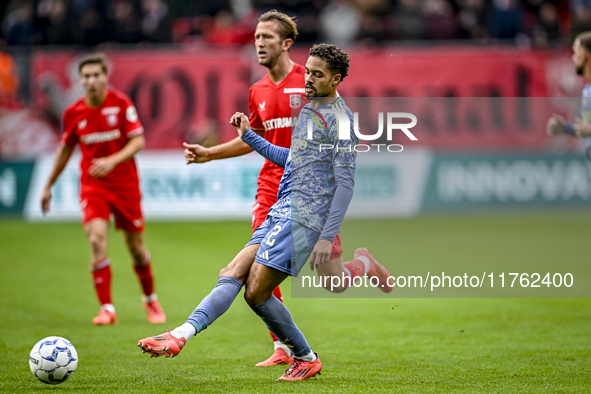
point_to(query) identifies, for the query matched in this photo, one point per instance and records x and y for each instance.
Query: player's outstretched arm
(275, 154)
(62, 156)
(195, 153)
(104, 165)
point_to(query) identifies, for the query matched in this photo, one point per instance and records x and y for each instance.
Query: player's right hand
(320, 253)
(555, 125)
(45, 200)
(240, 121)
(195, 153)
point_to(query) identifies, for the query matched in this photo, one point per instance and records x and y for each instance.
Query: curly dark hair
(335, 58)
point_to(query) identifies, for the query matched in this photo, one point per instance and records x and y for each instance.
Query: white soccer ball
(53, 360)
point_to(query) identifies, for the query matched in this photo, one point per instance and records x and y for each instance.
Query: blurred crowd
(529, 23)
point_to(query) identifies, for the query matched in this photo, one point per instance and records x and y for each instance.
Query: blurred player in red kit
(272, 101)
(105, 124)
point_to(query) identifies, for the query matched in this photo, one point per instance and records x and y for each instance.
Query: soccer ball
(53, 360)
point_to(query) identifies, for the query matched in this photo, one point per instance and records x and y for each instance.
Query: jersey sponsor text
(101, 136)
(278, 123)
(294, 90)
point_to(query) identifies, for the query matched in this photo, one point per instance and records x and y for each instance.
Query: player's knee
(98, 242)
(224, 272)
(237, 268)
(231, 271)
(227, 271)
(253, 296)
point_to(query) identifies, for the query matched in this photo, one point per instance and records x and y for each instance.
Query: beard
(319, 91)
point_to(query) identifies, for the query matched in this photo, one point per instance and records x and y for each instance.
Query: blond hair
(286, 24)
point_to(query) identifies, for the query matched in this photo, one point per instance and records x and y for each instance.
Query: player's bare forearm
(62, 156)
(104, 165)
(197, 154)
(233, 148)
(133, 146)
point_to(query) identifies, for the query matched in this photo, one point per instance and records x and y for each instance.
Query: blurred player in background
(581, 126)
(105, 124)
(314, 194)
(272, 101)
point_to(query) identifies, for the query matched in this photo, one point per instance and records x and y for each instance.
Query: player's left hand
(101, 167)
(240, 121)
(321, 253)
(582, 128)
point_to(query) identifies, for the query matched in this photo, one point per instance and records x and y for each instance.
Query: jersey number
(275, 231)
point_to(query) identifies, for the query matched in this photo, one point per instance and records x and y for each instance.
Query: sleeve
(69, 137)
(256, 123)
(569, 129)
(275, 154)
(345, 182)
(131, 122)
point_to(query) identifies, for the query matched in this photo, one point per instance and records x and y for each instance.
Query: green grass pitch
(397, 345)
